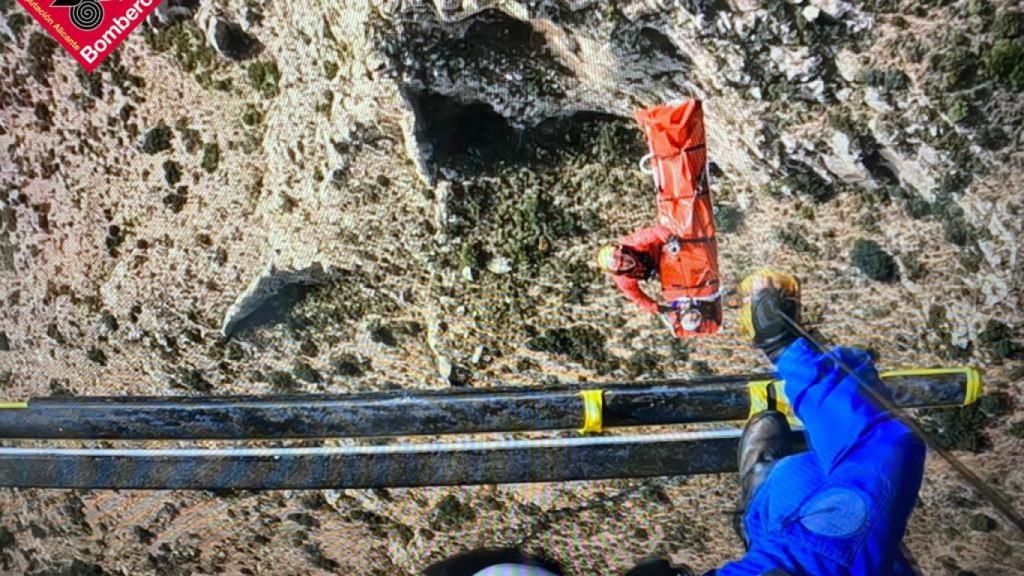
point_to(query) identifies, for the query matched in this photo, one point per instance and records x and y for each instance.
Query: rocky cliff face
(333, 196)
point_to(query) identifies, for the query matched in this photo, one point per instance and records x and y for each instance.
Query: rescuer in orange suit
(657, 252)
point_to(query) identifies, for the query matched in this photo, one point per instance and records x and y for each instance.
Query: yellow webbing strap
(13, 405)
(972, 386)
(593, 411)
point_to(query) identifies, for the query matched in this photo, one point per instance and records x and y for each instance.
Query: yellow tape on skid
(759, 398)
(972, 385)
(759, 388)
(593, 411)
(13, 405)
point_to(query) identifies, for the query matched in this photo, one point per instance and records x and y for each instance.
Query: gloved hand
(768, 298)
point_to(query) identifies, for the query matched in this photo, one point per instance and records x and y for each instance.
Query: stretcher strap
(13, 405)
(593, 411)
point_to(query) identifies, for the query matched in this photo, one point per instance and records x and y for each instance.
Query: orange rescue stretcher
(688, 268)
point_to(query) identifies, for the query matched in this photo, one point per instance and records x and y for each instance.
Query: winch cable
(979, 485)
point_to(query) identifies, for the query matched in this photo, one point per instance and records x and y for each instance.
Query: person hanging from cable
(680, 250)
(656, 253)
(838, 509)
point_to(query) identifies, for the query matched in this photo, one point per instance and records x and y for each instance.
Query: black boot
(767, 438)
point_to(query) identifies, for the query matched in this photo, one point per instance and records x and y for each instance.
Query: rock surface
(398, 144)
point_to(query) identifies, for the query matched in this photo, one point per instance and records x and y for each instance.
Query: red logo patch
(89, 29)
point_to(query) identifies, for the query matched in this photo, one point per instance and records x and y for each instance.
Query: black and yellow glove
(770, 301)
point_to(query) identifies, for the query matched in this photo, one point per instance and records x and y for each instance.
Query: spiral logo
(87, 15)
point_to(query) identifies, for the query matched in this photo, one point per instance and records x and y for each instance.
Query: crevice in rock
(461, 136)
(876, 164)
(804, 180)
(231, 41)
(270, 298)
(655, 41)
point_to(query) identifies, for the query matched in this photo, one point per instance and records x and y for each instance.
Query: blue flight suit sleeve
(838, 415)
(857, 485)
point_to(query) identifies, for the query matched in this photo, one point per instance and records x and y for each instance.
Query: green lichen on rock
(999, 340)
(643, 363)
(956, 66)
(172, 172)
(964, 428)
(191, 380)
(888, 80)
(527, 230)
(580, 279)
(187, 47)
(339, 302)
(252, 116)
(382, 333)
(796, 237)
(282, 382)
(531, 227)
(39, 57)
(8, 250)
(1008, 24)
(728, 219)
(982, 522)
(305, 372)
(330, 69)
(979, 8)
(871, 259)
(939, 331)
(958, 110)
(451, 512)
(211, 157)
(96, 356)
(530, 216)
(803, 181)
(1005, 61)
(350, 365)
(264, 76)
(157, 139)
(956, 229)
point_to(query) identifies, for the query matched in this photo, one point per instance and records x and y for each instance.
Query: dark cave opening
(463, 136)
(473, 138)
